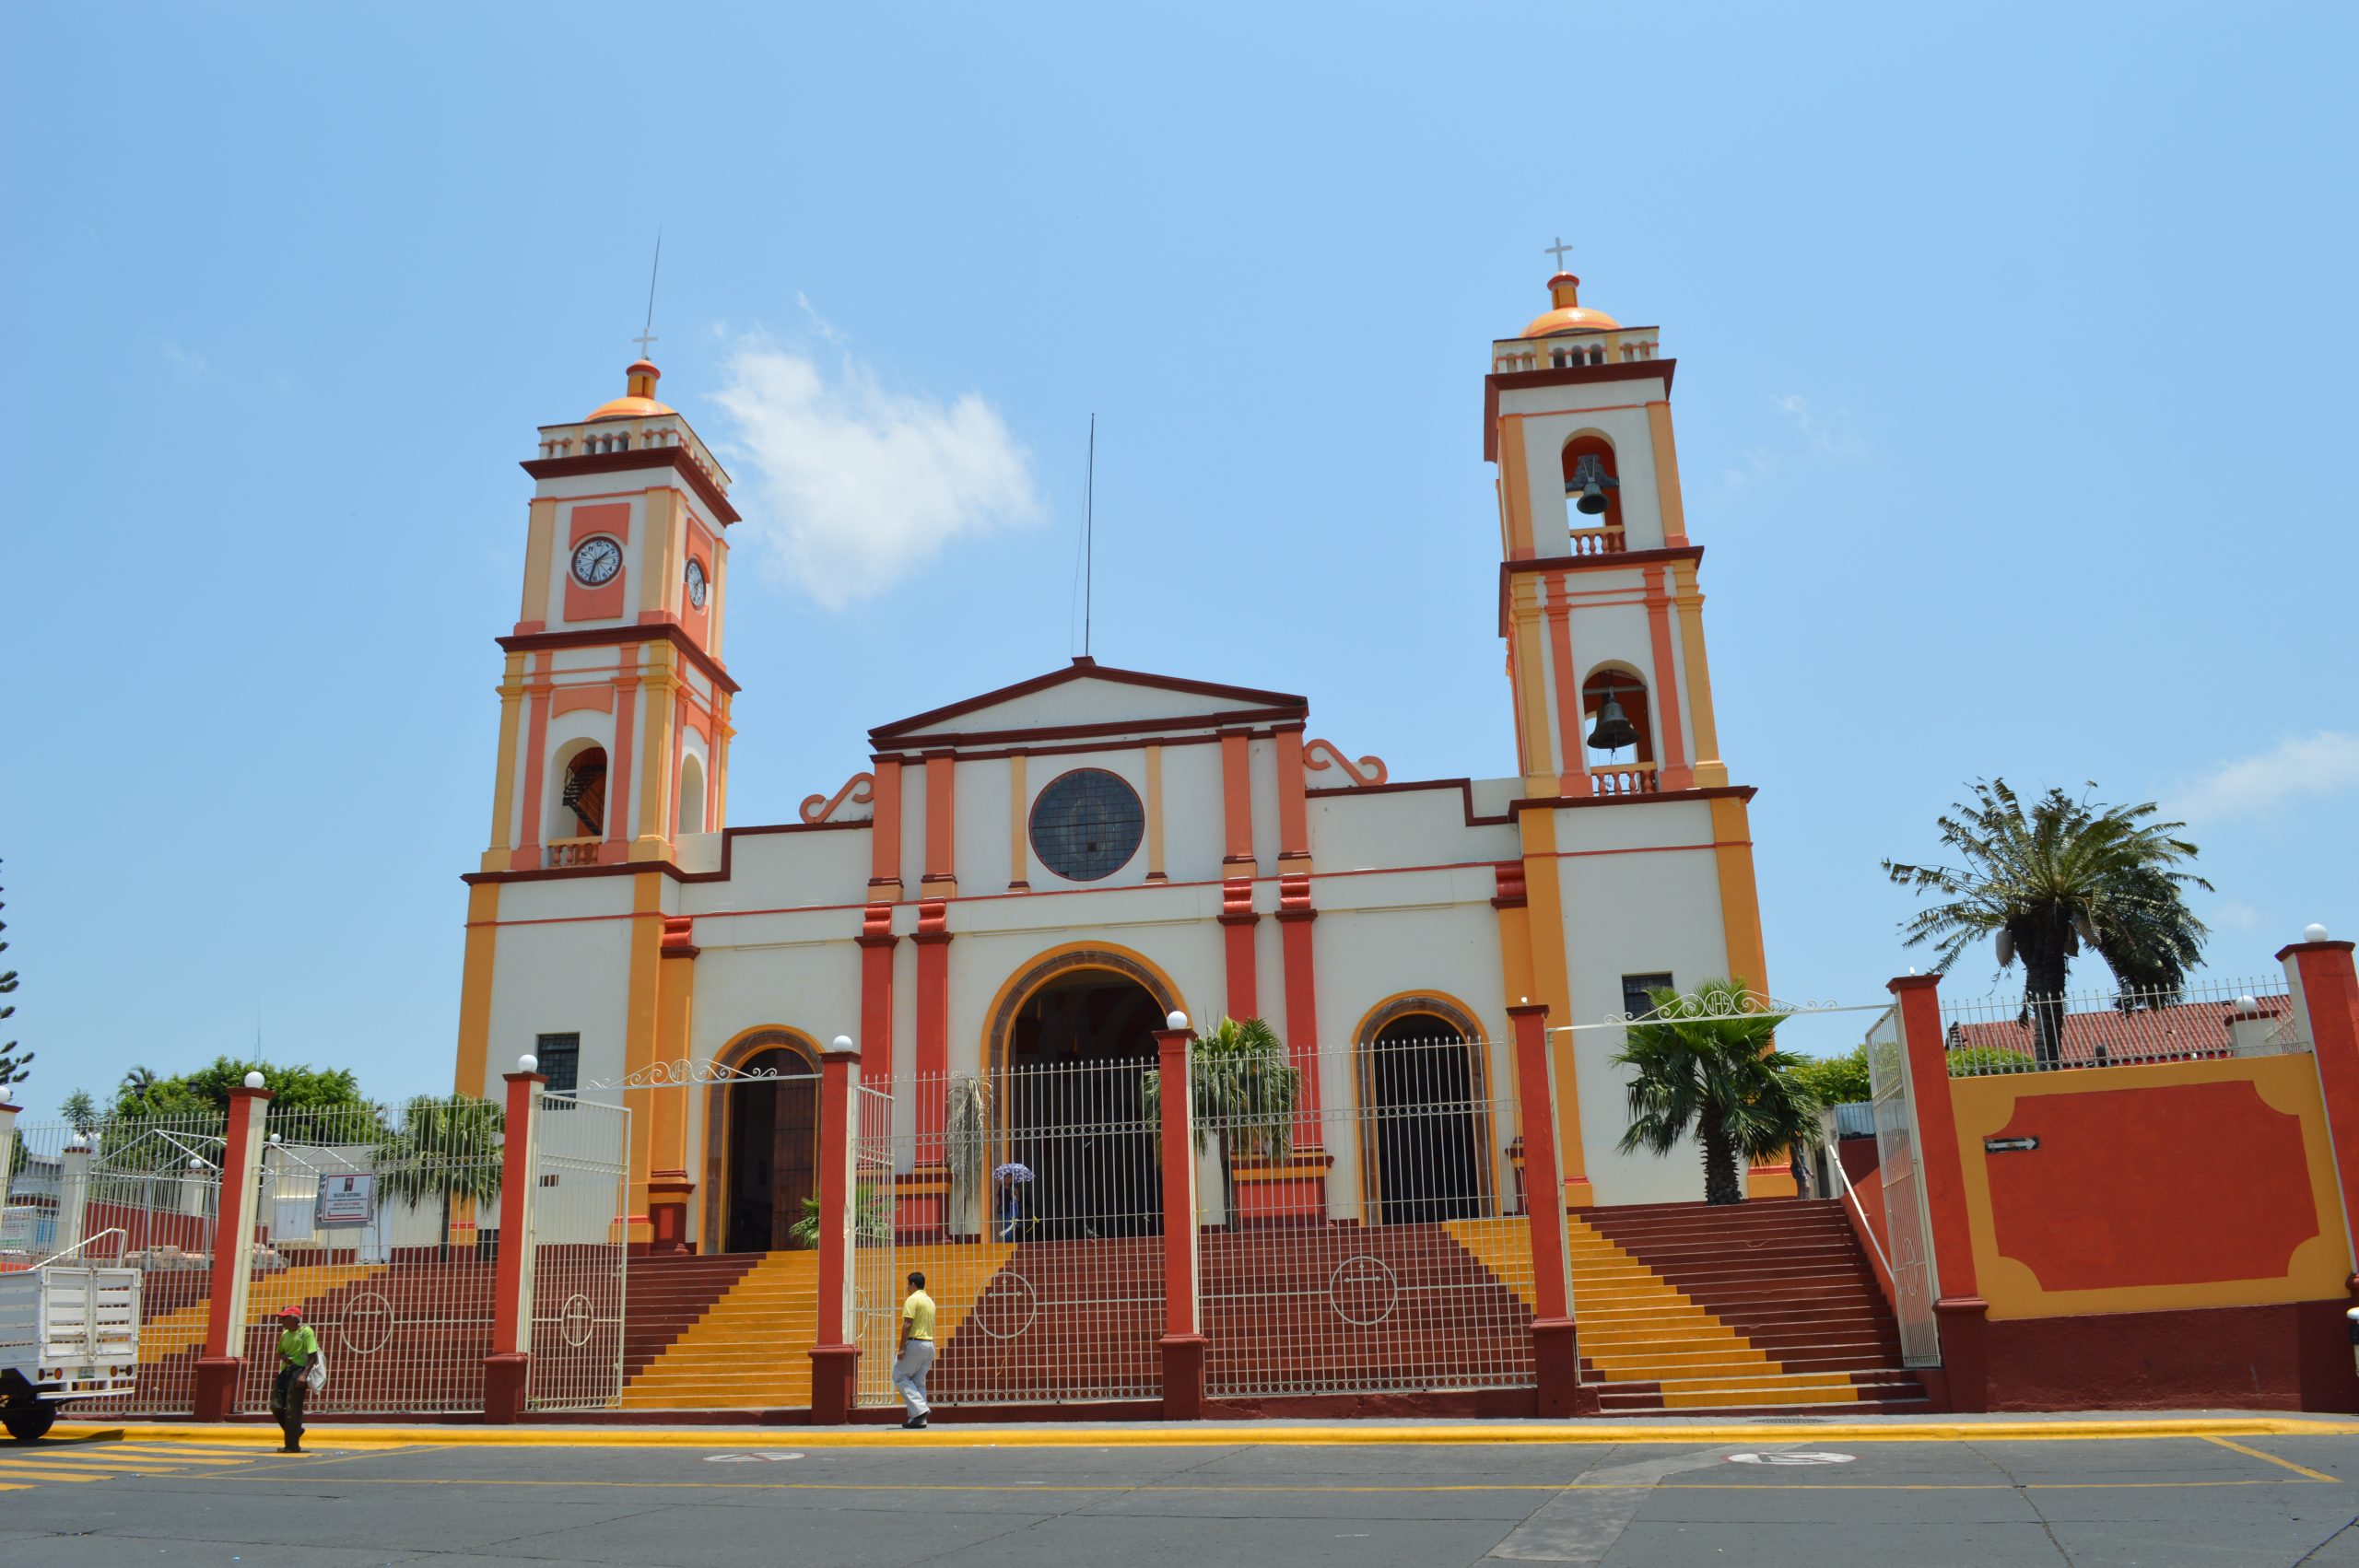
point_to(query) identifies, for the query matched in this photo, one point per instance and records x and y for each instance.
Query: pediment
(1089, 698)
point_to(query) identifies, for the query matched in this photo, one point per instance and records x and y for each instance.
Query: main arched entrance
(1421, 1076)
(1078, 1048)
(771, 1154)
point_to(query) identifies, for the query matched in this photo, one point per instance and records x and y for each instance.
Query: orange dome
(638, 400)
(1569, 314)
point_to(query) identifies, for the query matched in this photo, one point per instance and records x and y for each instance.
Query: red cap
(289, 1312)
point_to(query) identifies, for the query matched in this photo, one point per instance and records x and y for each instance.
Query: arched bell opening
(1617, 724)
(1592, 489)
(691, 794)
(580, 793)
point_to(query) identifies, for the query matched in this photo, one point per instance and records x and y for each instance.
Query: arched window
(1586, 457)
(691, 795)
(583, 795)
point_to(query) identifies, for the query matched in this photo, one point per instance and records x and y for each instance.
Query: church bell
(1591, 480)
(1614, 730)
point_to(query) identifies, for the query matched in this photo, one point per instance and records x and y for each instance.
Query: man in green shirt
(298, 1351)
(916, 1357)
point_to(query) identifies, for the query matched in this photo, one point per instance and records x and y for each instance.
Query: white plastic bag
(316, 1376)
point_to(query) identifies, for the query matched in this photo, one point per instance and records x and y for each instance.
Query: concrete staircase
(728, 1332)
(1761, 1306)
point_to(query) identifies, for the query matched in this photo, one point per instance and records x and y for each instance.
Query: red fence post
(1183, 1343)
(1555, 1343)
(221, 1363)
(834, 1354)
(505, 1370)
(1959, 1309)
(2326, 989)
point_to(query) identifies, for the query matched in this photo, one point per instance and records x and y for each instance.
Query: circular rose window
(1088, 825)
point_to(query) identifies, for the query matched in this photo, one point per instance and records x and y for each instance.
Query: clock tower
(614, 719)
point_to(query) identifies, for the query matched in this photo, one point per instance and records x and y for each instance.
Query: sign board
(345, 1200)
(2007, 1145)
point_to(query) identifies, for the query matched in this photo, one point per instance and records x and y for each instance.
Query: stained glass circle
(1087, 825)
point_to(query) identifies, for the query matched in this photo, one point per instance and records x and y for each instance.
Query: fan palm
(443, 1149)
(1707, 1067)
(1244, 1089)
(2045, 881)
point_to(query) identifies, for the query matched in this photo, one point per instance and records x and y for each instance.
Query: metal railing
(2125, 1028)
(1916, 1285)
(581, 1254)
(382, 1231)
(1377, 1246)
(877, 1286)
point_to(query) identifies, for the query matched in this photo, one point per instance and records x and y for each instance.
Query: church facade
(1041, 871)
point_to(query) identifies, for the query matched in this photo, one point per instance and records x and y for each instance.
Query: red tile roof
(2163, 1034)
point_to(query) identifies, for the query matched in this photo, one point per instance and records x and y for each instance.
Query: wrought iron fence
(877, 1277)
(141, 1191)
(1916, 1285)
(2120, 1028)
(1374, 1244)
(581, 1254)
(383, 1232)
(1031, 1202)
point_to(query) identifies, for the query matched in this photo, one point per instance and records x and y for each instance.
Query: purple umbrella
(1013, 1172)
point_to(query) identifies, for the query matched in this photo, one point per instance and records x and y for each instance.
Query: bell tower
(614, 717)
(1599, 599)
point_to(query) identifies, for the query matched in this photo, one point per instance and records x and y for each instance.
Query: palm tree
(1705, 1062)
(138, 1085)
(445, 1149)
(2047, 880)
(1244, 1089)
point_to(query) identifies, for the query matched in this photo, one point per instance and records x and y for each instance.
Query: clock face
(595, 562)
(697, 584)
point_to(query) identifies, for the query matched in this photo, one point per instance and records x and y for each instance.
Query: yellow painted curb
(1191, 1435)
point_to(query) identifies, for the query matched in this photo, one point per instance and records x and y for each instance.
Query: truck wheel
(29, 1422)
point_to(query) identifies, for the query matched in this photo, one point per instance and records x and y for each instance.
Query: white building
(1042, 871)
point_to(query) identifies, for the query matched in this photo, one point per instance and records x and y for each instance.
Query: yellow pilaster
(474, 989)
(540, 545)
(1018, 860)
(676, 1018)
(1674, 514)
(1154, 813)
(660, 682)
(659, 584)
(1527, 627)
(1515, 490)
(642, 1034)
(503, 789)
(1552, 983)
(1710, 771)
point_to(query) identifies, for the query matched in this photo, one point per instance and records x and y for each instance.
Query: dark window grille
(1638, 999)
(1087, 825)
(560, 1058)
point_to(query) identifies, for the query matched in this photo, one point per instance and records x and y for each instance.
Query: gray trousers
(908, 1375)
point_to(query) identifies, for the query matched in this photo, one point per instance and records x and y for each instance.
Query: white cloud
(187, 359)
(2299, 767)
(1825, 433)
(2235, 915)
(860, 485)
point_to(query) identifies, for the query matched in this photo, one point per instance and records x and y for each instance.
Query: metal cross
(1557, 251)
(643, 339)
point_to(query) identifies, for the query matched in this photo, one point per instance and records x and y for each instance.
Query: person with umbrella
(1010, 1176)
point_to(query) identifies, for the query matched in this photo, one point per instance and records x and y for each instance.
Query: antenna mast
(1090, 540)
(647, 333)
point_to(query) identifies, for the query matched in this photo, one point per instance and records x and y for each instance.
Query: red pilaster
(1236, 803)
(932, 938)
(1293, 824)
(621, 825)
(222, 1362)
(1183, 1342)
(2328, 989)
(884, 835)
(1555, 1345)
(526, 856)
(877, 945)
(505, 1369)
(1960, 1310)
(1675, 772)
(1295, 918)
(1237, 925)
(835, 1357)
(941, 878)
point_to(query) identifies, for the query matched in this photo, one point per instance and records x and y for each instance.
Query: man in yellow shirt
(916, 1358)
(298, 1351)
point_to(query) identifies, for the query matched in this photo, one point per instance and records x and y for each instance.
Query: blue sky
(2013, 405)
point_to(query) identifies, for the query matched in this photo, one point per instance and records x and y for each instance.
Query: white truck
(67, 1332)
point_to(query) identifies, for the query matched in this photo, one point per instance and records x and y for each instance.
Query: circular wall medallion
(1363, 1289)
(596, 560)
(1087, 825)
(1008, 1308)
(366, 1324)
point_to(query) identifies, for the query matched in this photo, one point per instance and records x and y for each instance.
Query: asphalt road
(2251, 1502)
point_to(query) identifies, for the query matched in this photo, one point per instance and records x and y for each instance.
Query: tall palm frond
(1707, 1067)
(1244, 1089)
(2050, 878)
